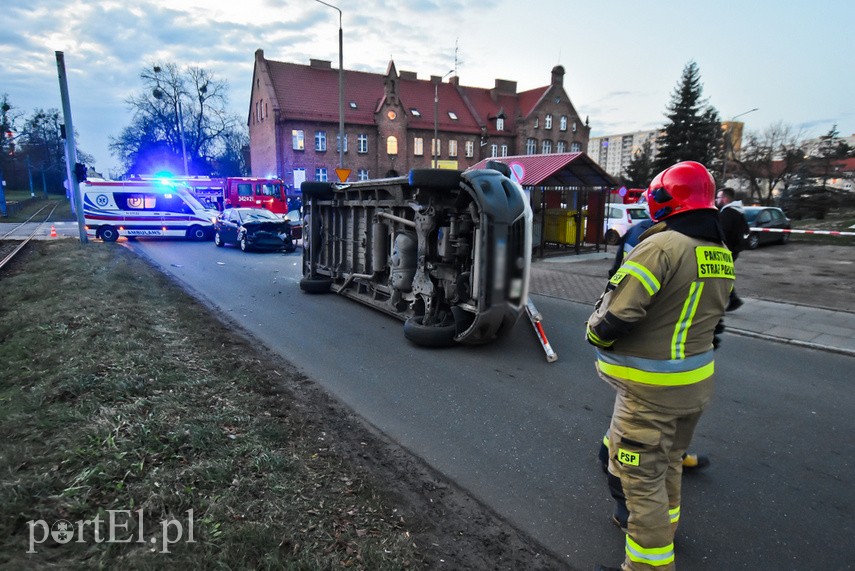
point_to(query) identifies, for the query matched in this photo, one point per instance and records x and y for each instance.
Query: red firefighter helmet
(683, 187)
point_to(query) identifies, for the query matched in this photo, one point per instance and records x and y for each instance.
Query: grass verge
(121, 398)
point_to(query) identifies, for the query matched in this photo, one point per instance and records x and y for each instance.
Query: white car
(620, 218)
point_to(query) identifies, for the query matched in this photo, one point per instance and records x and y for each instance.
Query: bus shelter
(568, 193)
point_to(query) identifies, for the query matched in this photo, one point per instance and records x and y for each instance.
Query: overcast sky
(623, 58)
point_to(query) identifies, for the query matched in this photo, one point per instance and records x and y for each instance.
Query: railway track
(10, 248)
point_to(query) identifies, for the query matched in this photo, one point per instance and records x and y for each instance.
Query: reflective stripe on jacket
(655, 323)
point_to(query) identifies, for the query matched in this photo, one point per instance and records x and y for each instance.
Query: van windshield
(191, 200)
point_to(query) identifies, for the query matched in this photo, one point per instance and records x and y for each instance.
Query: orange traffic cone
(52, 231)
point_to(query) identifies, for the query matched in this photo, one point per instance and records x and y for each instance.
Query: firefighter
(653, 330)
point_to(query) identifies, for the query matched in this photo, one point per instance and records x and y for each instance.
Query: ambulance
(144, 208)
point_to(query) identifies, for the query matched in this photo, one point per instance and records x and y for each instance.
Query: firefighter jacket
(654, 324)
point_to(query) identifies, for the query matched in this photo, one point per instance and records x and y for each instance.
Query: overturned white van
(144, 208)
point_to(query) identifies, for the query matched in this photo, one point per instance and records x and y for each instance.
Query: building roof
(558, 169)
(310, 92)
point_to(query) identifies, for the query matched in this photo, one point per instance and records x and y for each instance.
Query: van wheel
(218, 240)
(428, 336)
(435, 178)
(315, 285)
(108, 234)
(612, 237)
(197, 233)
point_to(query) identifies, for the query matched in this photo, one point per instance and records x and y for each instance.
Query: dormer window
(353, 104)
(452, 115)
(415, 112)
(500, 123)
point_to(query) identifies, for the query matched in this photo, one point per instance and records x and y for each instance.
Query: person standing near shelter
(653, 328)
(735, 230)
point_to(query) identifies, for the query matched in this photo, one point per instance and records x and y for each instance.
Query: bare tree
(179, 113)
(768, 159)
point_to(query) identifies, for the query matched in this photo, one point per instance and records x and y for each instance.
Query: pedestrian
(653, 330)
(735, 229)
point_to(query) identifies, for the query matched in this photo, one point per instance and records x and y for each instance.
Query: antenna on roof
(457, 62)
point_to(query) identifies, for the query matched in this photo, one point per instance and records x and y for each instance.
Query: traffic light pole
(70, 149)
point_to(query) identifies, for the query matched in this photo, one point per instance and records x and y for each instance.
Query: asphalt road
(521, 434)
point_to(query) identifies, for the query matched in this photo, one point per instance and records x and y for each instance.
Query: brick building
(390, 118)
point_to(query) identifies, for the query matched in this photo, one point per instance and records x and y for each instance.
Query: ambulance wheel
(218, 241)
(197, 233)
(315, 285)
(612, 237)
(108, 233)
(428, 336)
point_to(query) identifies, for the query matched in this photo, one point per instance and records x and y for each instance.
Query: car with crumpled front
(253, 229)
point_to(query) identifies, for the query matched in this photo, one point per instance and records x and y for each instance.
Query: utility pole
(70, 148)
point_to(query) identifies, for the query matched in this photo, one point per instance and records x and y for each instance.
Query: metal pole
(340, 86)
(181, 131)
(70, 148)
(435, 144)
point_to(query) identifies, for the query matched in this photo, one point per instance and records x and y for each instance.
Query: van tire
(108, 233)
(317, 189)
(434, 178)
(197, 233)
(218, 241)
(612, 237)
(315, 285)
(429, 336)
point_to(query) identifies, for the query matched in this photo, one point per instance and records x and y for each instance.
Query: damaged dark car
(253, 229)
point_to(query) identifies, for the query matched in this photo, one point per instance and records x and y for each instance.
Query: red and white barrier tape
(790, 231)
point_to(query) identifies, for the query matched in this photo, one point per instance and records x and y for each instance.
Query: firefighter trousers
(646, 450)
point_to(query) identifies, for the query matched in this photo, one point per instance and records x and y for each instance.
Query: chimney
(408, 75)
(505, 86)
(454, 80)
(558, 75)
(320, 64)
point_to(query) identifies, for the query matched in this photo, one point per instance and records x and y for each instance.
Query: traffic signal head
(80, 172)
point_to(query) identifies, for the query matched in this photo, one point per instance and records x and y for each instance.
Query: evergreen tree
(693, 131)
(640, 169)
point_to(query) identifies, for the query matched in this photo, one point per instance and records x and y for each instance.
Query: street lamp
(727, 139)
(340, 86)
(436, 116)
(176, 103)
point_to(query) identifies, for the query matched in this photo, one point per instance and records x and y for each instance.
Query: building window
(504, 150)
(362, 142)
(494, 150)
(562, 123)
(298, 140)
(338, 143)
(435, 147)
(576, 147)
(546, 147)
(299, 176)
(391, 145)
(470, 149)
(321, 174)
(362, 174)
(452, 115)
(574, 126)
(500, 123)
(530, 146)
(353, 104)
(560, 147)
(536, 122)
(452, 148)
(320, 140)
(415, 112)
(547, 122)
(418, 147)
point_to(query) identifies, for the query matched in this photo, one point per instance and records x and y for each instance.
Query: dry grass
(119, 392)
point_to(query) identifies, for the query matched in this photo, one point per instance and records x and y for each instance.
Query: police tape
(791, 231)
